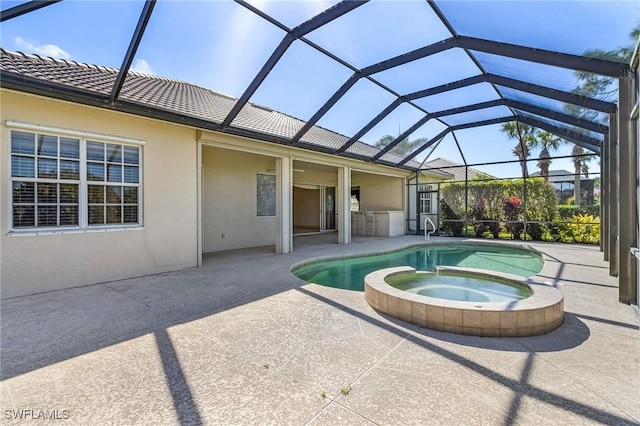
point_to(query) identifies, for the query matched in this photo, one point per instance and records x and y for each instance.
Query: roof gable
(456, 169)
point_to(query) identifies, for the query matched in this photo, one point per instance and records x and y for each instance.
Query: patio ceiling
(434, 65)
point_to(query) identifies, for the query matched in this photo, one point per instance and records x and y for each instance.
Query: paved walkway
(242, 341)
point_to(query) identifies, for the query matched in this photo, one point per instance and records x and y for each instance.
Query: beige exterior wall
(168, 240)
(423, 179)
(229, 205)
(384, 186)
(433, 181)
(315, 177)
(429, 178)
(306, 209)
(379, 192)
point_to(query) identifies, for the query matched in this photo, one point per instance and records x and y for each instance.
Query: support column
(405, 203)
(344, 205)
(466, 199)
(613, 193)
(605, 169)
(199, 203)
(284, 205)
(628, 175)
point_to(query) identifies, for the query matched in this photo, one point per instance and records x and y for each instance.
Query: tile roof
(178, 98)
(456, 169)
(560, 176)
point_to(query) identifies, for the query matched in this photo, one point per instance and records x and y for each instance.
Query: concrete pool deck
(242, 341)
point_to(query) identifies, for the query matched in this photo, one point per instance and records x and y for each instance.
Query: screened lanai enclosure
(398, 84)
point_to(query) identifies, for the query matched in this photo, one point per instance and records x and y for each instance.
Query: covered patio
(241, 340)
(312, 89)
(320, 77)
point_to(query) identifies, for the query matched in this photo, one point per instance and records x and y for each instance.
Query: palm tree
(580, 167)
(404, 147)
(522, 151)
(597, 86)
(546, 141)
(523, 133)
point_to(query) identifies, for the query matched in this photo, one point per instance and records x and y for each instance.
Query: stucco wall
(306, 209)
(379, 192)
(315, 177)
(230, 219)
(168, 240)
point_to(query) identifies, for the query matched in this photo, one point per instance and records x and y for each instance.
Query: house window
(68, 182)
(425, 200)
(113, 180)
(266, 195)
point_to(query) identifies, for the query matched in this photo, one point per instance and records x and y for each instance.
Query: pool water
(349, 273)
(459, 287)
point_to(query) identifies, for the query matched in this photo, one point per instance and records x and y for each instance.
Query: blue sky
(221, 45)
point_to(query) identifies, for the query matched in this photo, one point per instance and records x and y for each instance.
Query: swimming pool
(349, 273)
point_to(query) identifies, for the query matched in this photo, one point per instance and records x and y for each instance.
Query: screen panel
(561, 26)
(444, 67)
(380, 30)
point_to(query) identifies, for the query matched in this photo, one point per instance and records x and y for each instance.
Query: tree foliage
(580, 167)
(598, 86)
(546, 142)
(487, 209)
(524, 135)
(528, 138)
(404, 147)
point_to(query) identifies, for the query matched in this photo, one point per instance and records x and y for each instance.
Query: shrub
(568, 211)
(486, 207)
(478, 212)
(541, 207)
(583, 228)
(512, 209)
(536, 230)
(448, 218)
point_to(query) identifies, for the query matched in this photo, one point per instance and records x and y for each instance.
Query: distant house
(457, 170)
(424, 204)
(563, 181)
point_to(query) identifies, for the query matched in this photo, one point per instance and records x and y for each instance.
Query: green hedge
(569, 211)
(486, 201)
(493, 200)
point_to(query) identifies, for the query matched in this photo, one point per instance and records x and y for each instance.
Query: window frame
(275, 188)
(425, 198)
(83, 182)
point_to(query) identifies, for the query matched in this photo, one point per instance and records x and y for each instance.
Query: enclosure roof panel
(374, 80)
(562, 26)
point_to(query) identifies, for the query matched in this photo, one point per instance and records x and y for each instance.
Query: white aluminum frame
(83, 207)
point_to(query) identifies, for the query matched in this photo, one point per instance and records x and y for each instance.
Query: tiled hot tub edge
(538, 314)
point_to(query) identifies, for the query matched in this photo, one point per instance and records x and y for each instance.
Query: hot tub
(475, 302)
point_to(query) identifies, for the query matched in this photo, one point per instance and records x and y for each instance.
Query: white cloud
(246, 44)
(316, 7)
(43, 50)
(140, 65)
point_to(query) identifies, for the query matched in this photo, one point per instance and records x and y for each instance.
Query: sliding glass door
(328, 208)
(314, 209)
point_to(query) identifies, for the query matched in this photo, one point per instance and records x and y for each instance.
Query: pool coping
(538, 314)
